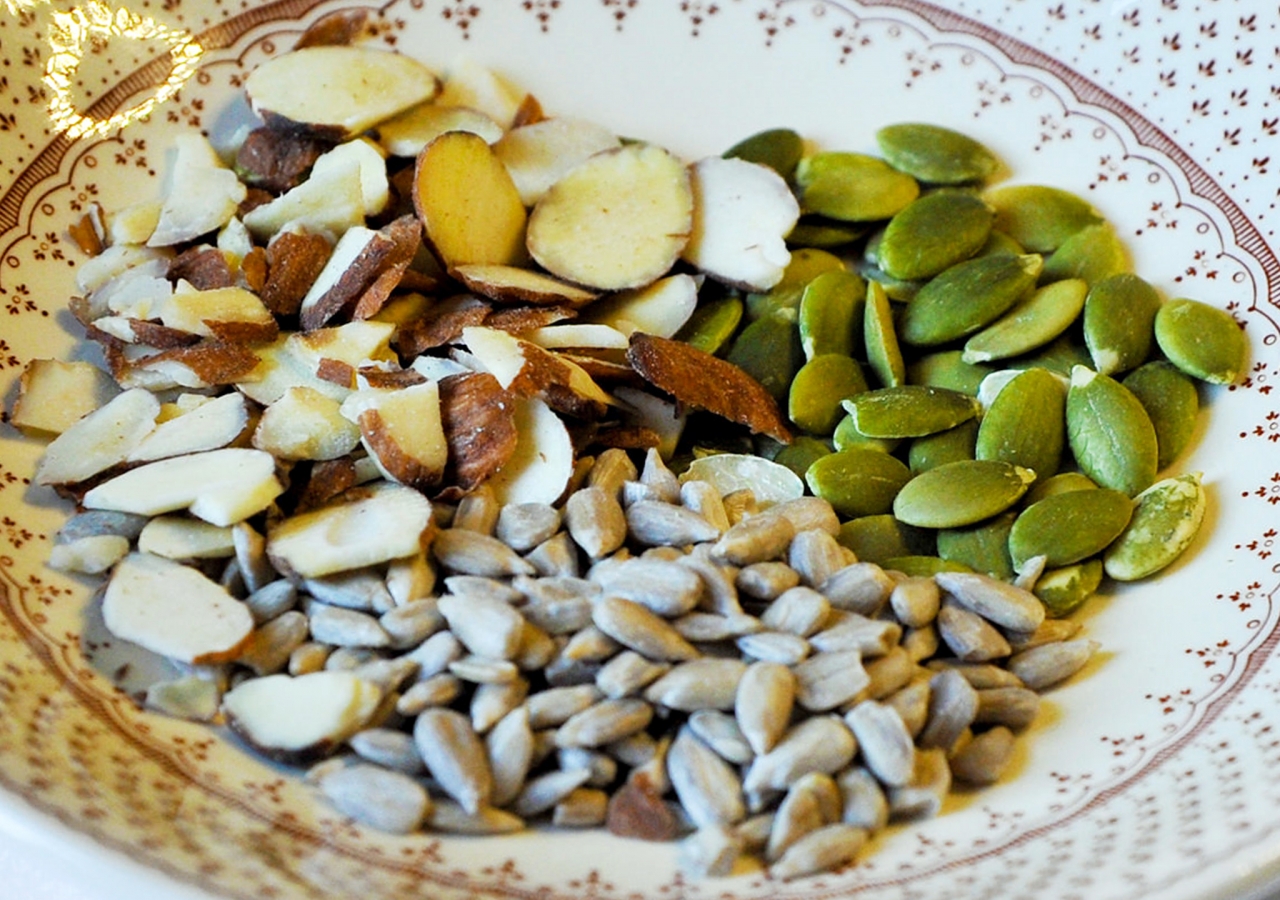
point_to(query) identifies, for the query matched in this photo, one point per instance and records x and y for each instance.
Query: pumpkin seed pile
(613, 610)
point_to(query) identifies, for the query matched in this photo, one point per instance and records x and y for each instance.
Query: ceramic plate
(1152, 774)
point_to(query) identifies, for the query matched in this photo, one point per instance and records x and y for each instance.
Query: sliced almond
(469, 207)
(54, 395)
(305, 424)
(328, 204)
(337, 92)
(300, 719)
(619, 220)
(328, 480)
(442, 324)
(204, 268)
(294, 262)
(352, 266)
(173, 610)
(278, 160)
(743, 212)
(340, 28)
(402, 431)
(214, 424)
(511, 284)
(374, 526)
(181, 538)
(478, 418)
(230, 314)
(539, 154)
(296, 360)
(201, 365)
(698, 379)
(578, 335)
(100, 440)
(660, 308)
(409, 132)
(474, 86)
(370, 162)
(540, 468)
(530, 371)
(201, 194)
(521, 319)
(221, 486)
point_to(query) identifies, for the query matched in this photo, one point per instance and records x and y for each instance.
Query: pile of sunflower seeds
(669, 663)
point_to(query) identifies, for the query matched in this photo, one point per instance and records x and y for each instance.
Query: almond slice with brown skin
(511, 284)
(618, 220)
(540, 468)
(54, 395)
(401, 429)
(230, 314)
(207, 427)
(698, 379)
(530, 371)
(541, 153)
(173, 610)
(478, 417)
(469, 207)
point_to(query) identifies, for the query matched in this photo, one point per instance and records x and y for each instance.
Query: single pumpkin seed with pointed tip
(1110, 433)
(961, 493)
(934, 154)
(769, 351)
(910, 410)
(858, 481)
(881, 339)
(966, 297)
(712, 324)
(830, 316)
(952, 445)
(1038, 217)
(1064, 590)
(1165, 521)
(1173, 403)
(823, 233)
(1067, 528)
(1119, 315)
(1092, 254)
(853, 187)
(818, 389)
(947, 369)
(1201, 340)
(1047, 313)
(1062, 483)
(778, 148)
(983, 547)
(935, 231)
(1025, 424)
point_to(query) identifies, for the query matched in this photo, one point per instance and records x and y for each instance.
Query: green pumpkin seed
(1119, 315)
(935, 154)
(1165, 521)
(961, 493)
(1062, 483)
(1067, 528)
(983, 547)
(778, 148)
(769, 350)
(805, 265)
(966, 297)
(1059, 356)
(896, 290)
(910, 410)
(1026, 424)
(852, 187)
(922, 566)
(713, 323)
(1092, 253)
(1000, 243)
(952, 445)
(933, 233)
(847, 435)
(1173, 403)
(801, 453)
(947, 369)
(1110, 433)
(1201, 340)
(831, 313)
(881, 340)
(1064, 590)
(1047, 313)
(1038, 217)
(818, 389)
(858, 481)
(826, 234)
(878, 538)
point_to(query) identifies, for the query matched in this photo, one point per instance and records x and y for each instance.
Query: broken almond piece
(202, 365)
(337, 92)
(230, 314)
(54, 395)
(469, 207)
(512, 284)
(300, 719)
(337, 29)
(220, 486)
(204, 268)
(401, 429)
(180, 538)
(442, 324)
(209, 426)
(200, 196)
(408, 133)
(90, 555)
(102, 439)
(371, 164)
(530, 371)
(278, 160)
(619, 220)
(541, 153)
(294, 262)
(659, 308)
(378, 524)
(519, 319)
(742, 214)
(698, 379)
(328, 204)
(539, 469)
(578, 335)
(305, 424)
(174, 610)
(478, 419)
(474, 86)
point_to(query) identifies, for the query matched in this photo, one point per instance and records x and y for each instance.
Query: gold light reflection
(70, 33)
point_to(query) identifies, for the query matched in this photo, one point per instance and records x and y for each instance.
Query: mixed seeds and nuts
(502, 471)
